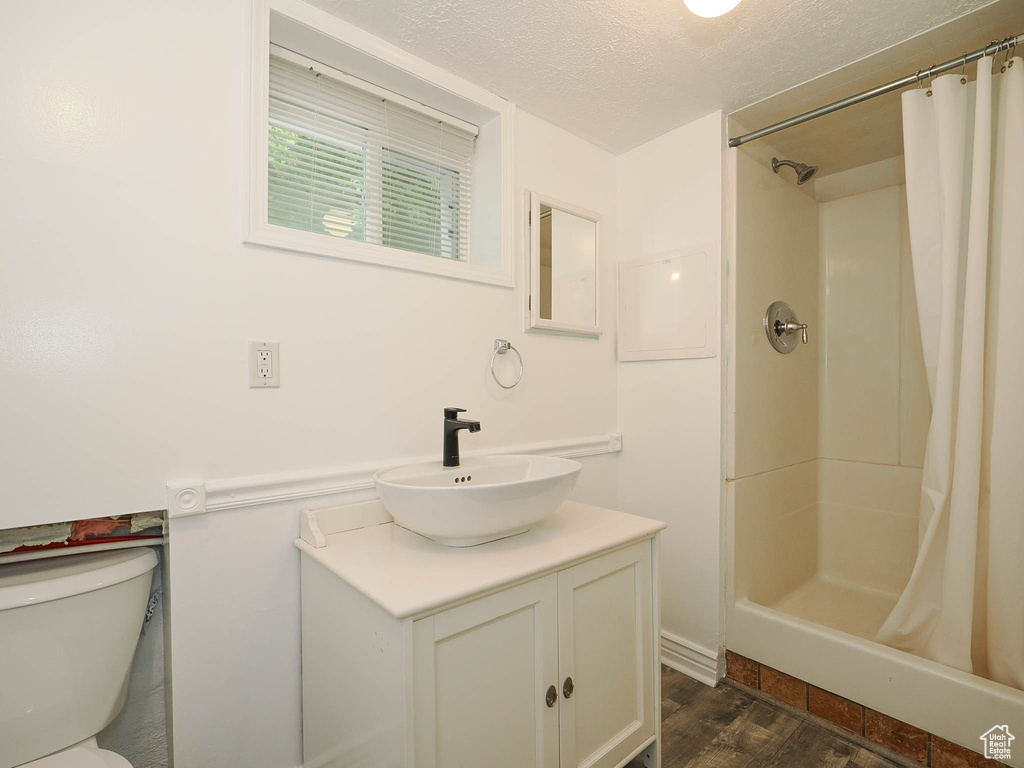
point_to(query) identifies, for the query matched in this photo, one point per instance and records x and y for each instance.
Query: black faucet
(452, 425)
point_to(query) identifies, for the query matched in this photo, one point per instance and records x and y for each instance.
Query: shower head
(804, 172)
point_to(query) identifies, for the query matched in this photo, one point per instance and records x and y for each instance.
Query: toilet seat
(80, 757)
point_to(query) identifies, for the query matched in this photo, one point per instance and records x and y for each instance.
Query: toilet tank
(68, 630)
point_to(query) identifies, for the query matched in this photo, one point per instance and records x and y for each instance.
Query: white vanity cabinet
(580, 639)
(536, 651)
(480, 672)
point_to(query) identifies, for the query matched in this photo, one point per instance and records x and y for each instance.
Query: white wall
(670, 412)
(128, 299)
(874, 400)
(127, 304)
(234, 574)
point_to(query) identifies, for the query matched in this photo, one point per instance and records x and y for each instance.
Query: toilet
(68, 630)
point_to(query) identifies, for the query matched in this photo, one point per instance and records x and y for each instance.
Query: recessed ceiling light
(711, 8)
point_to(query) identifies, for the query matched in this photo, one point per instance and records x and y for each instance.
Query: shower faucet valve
(791, 327)
(781, 326)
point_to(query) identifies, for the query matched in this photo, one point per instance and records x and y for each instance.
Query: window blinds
(348, 161)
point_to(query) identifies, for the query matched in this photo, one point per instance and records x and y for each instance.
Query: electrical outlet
(264, 364)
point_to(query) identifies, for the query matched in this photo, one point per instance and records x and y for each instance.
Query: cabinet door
(481, 675)
(606, 646)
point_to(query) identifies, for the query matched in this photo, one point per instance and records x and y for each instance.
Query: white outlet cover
(256, 380)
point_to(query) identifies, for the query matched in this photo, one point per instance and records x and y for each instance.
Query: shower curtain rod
(924, 74)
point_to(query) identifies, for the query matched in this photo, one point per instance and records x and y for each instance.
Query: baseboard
(689, 658)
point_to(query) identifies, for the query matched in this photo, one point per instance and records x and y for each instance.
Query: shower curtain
(964, 146)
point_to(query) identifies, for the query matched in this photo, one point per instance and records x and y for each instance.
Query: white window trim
(259, 232)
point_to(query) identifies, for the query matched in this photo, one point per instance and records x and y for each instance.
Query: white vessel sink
(484, 499)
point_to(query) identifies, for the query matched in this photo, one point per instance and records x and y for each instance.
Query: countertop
(409, 575)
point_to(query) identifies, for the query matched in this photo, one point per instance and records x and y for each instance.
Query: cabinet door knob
(567, 688)
(552, 696)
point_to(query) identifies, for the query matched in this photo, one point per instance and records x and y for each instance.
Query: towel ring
(500, 348)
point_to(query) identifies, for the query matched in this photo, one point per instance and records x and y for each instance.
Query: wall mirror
(563, 242)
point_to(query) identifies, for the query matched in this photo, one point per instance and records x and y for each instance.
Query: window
(349, 160)
(362, 152)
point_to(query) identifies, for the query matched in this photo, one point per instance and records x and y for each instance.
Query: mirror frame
(534, 322)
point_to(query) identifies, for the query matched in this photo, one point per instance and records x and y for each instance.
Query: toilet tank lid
(39, 581)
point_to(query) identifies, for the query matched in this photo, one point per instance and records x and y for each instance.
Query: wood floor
(726, 727)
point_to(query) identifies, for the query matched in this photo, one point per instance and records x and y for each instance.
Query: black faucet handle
(453, 413)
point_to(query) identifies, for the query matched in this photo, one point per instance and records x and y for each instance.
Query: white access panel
(668, 305)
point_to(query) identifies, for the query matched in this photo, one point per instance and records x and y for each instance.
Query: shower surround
(826, 448)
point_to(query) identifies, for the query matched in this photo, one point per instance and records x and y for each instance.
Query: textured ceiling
(873, 130)
(620, 72)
